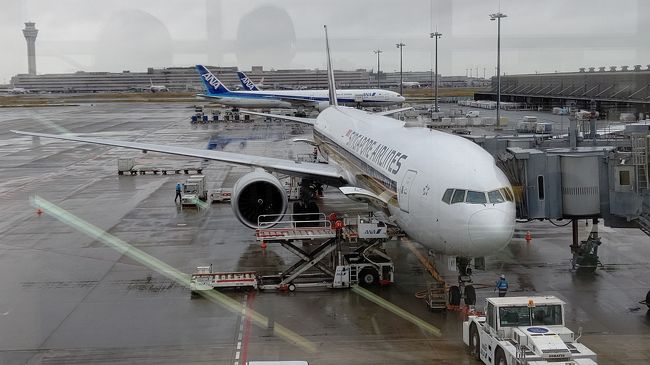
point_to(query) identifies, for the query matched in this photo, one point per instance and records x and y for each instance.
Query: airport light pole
(378, 52)
(400, 45)
(436, 35)
(497, 17)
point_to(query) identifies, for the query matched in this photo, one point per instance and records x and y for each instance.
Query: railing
(294, 220)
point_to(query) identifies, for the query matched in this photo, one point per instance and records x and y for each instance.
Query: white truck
(524, 330)
(194, 190)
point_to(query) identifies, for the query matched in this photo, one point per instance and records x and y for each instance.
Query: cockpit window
(447, 197)
(459, 196)
(476, 197)
(508, 194)
(495, 197)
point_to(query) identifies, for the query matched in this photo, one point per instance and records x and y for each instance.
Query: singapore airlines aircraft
(216, 91)
(442, 190)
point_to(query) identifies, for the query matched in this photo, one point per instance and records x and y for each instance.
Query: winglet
(211, 82)
(331, 83)
(246, 82)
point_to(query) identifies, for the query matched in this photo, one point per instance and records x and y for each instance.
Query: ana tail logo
(212, 80)
(249, 84)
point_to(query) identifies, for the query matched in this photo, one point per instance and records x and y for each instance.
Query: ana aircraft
(248, 84)
(442, 190)
(215, 90)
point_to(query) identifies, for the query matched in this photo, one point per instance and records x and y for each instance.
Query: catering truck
(524, 330)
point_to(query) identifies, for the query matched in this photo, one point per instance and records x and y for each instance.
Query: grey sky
(121, 35)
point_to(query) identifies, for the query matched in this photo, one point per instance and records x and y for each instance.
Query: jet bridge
(598, 182)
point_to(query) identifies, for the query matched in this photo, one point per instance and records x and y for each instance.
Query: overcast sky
(116, 35)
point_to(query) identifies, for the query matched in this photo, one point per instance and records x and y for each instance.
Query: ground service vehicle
(194, 190)
(524, 330)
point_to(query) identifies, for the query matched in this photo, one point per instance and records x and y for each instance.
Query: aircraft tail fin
(211, 83)
(246, 83)
(331, 83)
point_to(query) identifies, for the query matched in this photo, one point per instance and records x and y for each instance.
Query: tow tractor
(524, 330)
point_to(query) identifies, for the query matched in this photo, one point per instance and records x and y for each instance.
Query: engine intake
(259, 193)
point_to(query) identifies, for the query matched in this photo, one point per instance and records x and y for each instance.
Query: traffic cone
(528, 237)
(263, 245)
(39, 212)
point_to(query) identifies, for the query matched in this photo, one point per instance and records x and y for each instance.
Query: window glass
(495, 197)
(540, 187)
(476, 197)
(514, 316)
(490, 315)
(506, 192)
(459, 196)
(624, 177)
(447, 197)
(547, 315)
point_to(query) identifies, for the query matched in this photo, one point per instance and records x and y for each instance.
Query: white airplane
(442, 190)
(248, 84)
(157, 88)
(16, 90)
(216, 91)
(410, 84)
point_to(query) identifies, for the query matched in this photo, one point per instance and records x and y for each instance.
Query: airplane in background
(16, 91)
(442, 190)
(215, 90)
(413, 84)
(248, 84)
(157, 88)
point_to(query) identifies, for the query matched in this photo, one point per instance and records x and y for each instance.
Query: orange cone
(263, 245)
(528, 237)
(39, 212)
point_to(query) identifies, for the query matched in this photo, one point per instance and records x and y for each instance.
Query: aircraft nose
(400, 98)
(491, 228)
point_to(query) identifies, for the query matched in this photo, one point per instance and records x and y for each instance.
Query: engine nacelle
(323, 105)
(259, 193)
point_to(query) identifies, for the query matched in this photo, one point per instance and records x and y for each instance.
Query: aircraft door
(404, 189)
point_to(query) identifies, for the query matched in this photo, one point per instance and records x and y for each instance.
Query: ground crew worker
(502, 286)
(179, 187)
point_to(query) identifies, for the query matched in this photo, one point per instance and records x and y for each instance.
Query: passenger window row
(453, 196)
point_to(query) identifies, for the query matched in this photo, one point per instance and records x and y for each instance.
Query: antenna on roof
(331, 84)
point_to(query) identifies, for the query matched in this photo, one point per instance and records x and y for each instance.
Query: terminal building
(181, 79)
(621, 89)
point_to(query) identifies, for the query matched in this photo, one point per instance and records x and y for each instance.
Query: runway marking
(247, 325)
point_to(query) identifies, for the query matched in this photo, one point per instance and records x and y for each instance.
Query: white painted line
(239, 337)
(239, 345)
(237, 355)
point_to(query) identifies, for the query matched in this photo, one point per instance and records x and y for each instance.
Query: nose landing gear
(464, 289)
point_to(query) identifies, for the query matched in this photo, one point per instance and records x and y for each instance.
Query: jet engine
(259, 193)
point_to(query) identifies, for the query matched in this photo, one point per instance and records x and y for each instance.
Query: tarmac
(66, 297)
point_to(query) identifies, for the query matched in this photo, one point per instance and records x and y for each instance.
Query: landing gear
(465, 288)
(585, 254)
(454, 295)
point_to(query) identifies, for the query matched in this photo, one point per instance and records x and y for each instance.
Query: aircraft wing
(310, 121)
(328, 174)
(389, 112)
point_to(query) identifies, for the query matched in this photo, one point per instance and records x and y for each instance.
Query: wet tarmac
(67, 298)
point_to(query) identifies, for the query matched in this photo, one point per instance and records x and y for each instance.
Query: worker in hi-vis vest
(179, 187)
(502, 286)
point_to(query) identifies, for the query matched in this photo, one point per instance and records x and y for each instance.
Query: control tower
(30, 33)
